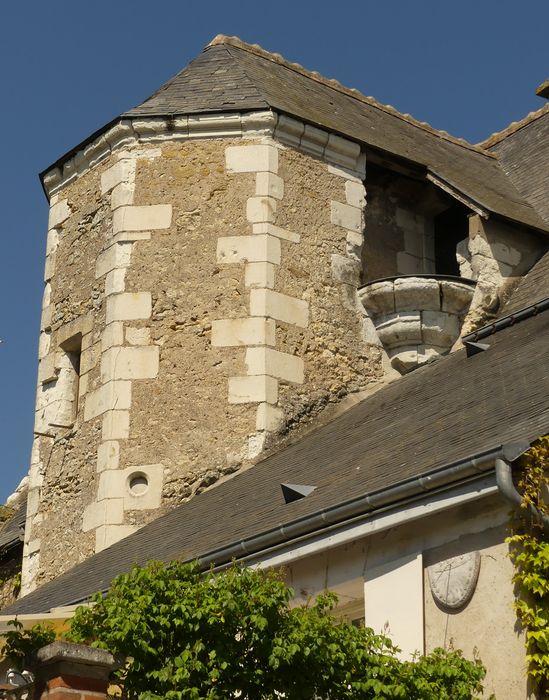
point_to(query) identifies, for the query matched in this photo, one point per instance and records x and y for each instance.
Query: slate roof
(443, 412)
(523, 152)
(10, 531)
(232, 76)
(533, 288)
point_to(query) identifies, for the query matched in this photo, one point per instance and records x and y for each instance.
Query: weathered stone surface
(193, 408)
(378, 298)
(456, 297)
(345, 270)
(402, 328)
(439, 328)
(417, 293)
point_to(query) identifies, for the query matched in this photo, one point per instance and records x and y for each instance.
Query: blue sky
(68, 67)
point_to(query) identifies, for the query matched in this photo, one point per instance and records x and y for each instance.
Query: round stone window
(138, 484)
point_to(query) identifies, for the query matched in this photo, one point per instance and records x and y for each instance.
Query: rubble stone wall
(207, 290)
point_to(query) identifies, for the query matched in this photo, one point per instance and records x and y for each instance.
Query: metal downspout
(504, 480)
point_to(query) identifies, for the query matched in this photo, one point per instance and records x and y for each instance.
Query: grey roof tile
(438, 414)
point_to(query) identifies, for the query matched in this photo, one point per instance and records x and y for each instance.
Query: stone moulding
(417, 318)
(130, 132)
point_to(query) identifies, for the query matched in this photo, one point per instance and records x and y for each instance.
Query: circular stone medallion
(453, 581)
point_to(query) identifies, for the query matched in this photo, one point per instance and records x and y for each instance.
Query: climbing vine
(530, 556)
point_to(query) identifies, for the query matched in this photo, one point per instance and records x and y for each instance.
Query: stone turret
(200, 298)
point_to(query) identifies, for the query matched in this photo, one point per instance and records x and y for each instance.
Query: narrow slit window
(68, 380)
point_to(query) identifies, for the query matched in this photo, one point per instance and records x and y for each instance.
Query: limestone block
(429, 352)
(342, 152)
(32, 547)
(346, 216)
(282, 365)
(478, 245)
(121, 172)
(89, 358)
(314, 140)
(353, 245)
(463, 257)
(255, 389)
(144, 218)
(112, 335)
(259, 274)
(47, 371)
(251, 159)
(348, 174)
(440, 328)
(409, 264)
(122, 195)
(266, 302)
(52, 241)
(243, 331)
(378, 298)
(143, 486)
(269, 418)
(87, 340)
(416, 293)
(346, 270)
(138, 336)
(369, 334)
(83, 386)
(115, 395)
(107, 512)
(116, 425)
(115, 281)
(355, 194)
(106, 535)
(130, 236)
(116, 256)
(273, 230)
(44, 343)
(140, 487)
(129, 306)
(130, 363)
(59, 213)
(505, 254)
(80, 326)
(403, 328)
(49, 267)
(238, 249)
(45, 320)
(269, 185)
(289, 130)
(33, 502)
(259, 209)
(108, 455)
(410, 222)
(46, 295)
(404, 358)
(456, 297)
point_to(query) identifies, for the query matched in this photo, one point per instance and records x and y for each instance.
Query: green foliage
(20, 644)
(530, 555)
(6, 513)
(193, 636)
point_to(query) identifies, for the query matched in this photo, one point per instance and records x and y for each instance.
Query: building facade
(229, 266)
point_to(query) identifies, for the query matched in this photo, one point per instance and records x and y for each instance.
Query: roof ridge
(258, 50)
(498, 136)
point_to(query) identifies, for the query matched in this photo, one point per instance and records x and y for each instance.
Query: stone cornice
(130, 132)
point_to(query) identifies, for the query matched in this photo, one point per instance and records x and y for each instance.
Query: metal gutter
(363, 505)
(506, 321)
